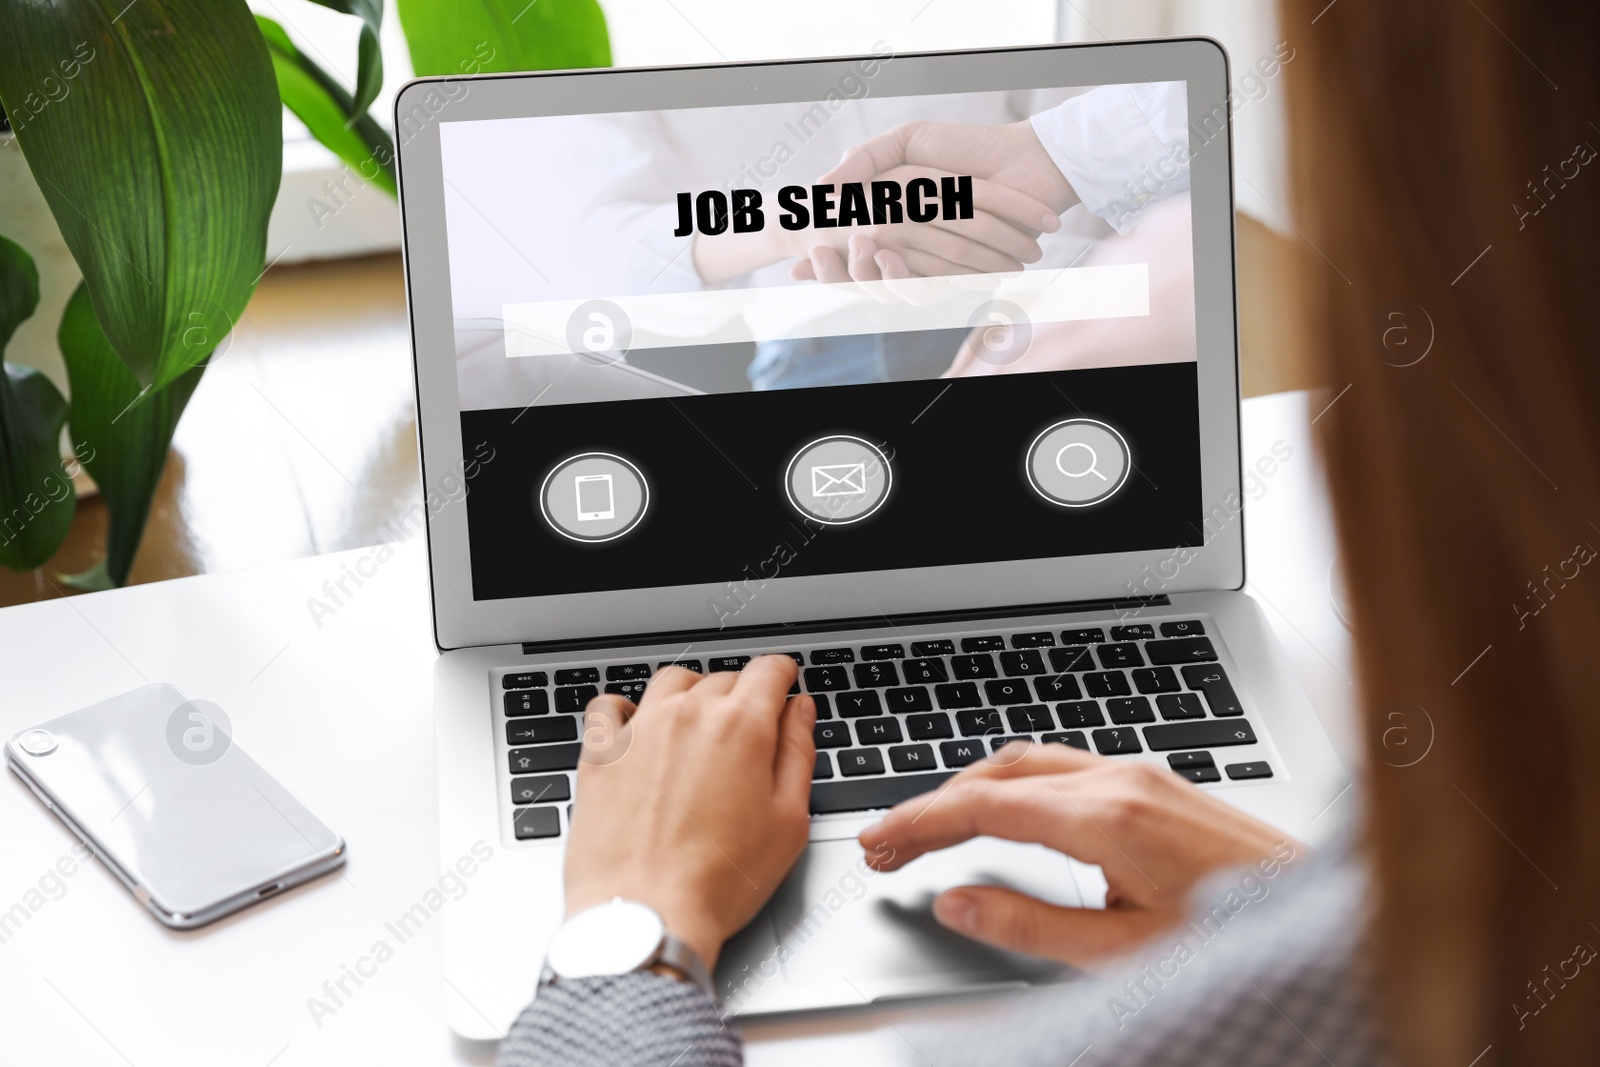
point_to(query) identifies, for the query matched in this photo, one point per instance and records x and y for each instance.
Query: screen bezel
(460, 621)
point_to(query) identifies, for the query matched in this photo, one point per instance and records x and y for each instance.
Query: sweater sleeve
(629, 1020)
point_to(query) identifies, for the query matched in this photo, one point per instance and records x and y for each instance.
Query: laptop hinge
(864, 622)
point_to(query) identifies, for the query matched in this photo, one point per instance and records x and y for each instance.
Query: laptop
(990, 492)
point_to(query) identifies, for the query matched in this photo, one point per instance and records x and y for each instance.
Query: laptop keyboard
(896, 719)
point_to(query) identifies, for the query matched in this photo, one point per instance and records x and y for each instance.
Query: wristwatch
(619, 937)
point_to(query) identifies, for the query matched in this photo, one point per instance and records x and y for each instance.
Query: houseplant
(152, 130)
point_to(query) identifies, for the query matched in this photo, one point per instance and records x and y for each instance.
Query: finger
(667, 681)
(800, 270)
(1019, 760)
(931, 265)
(1036, 810)
(618, 708)
(765, 681)
(955, 247)
(862, 266)
(1075, 936)
(797, 753)
(828, 265)
(716, 684)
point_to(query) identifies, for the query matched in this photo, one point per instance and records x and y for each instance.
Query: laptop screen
(859, 333)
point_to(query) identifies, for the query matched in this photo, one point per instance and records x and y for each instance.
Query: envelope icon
(839, 479)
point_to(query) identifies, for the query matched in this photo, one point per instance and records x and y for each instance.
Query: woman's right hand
(1153, 834)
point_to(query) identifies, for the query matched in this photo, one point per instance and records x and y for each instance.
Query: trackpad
(845, 934)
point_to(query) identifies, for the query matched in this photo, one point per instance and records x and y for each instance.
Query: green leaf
(36, 496)
(369, 56)
(475, 36)
(154, 132)
(122, 431)
(325, 107)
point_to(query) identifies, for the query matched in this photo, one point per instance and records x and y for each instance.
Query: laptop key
(833, 734)
(1082, 637)
(876, 675)
(577, 675)
(983, 644)
(1029, 719)
(860, 761)
(1180, 706)
(1120, 656)
(1181, 760)
(880, 731)
(1135, 632)
(539, 731)
(958, 695)
(978, 666)
(1041, 639)
(1118, 740)
(824, 710)
(1107, 684)
(833, 655)
(924, 671)
(1007, 691)
(933, 648)
(575, 697)
(686, 664)
(855, 704)
(910, 758)
(527, 702)
(1180, 650)
(1125, 711)
(532, 823)
(872, 652)
(911, 698)
(543, 789)
(633, 691)
(825, 679)
(1201, 775)
(563, 757)
(823, 768)
(978, 723)
(870, 794)
(1075, 658)
(1074, 738)
(1206, 733)
(929, 727)
(1224, 702)
(961, 753)
(1242, 771)
(525, 680)
(1080, 713)
(1151, 680)
(627, 672)
(1183, 628)
(726, 663)
(1013, 664)
(1057, 687)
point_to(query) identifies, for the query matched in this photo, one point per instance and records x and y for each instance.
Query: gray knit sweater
(1269, 974)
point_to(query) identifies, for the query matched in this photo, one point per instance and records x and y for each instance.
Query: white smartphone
(155, 785)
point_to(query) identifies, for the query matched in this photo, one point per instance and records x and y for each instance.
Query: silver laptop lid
(642, 410)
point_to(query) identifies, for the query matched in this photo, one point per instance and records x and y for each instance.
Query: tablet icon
(594, 497)
(838, 480)
(597, 499)
(1078, 463)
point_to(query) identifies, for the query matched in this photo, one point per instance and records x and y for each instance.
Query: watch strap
(677, 954)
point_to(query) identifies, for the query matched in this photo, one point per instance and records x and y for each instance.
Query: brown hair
(1448, 188)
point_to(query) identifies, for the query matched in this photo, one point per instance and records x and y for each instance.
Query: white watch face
(613, 938)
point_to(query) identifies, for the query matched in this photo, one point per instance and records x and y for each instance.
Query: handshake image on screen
(873, 239)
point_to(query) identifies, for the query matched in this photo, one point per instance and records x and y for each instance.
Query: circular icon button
(594, 497)
(838, 480)
(37, 742)
(1078, 462)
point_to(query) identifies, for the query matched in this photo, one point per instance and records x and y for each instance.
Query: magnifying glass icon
(1092, 468)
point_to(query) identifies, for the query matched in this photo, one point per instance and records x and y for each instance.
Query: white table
(338, 709)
